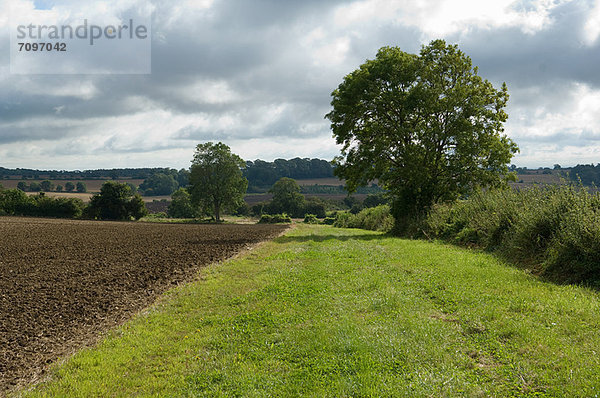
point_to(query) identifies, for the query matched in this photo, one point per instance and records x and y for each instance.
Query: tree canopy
(116, 201)
(426, 126)
(287, 197)
(216, 180)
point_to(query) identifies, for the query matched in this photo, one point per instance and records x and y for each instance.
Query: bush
(329, 220)
(16, 202)
(555, 230)
(259, 209)
(377, 218)
(160, 215)
(57, 207)
(311, 219)
(275, 219)
(314, 206)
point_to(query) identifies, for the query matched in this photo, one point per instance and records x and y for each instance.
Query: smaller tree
(59, 188)
(69, 186)
(116, 201)
(287, 197)
(47, 186)
(159, 184)
(81, 187)
(22, 185)
(181, 205)
(35, 187)
(216, 179)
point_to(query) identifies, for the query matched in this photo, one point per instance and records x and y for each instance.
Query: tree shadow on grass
(323, 238)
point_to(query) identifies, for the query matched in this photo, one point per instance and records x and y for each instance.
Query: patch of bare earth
(64, 282)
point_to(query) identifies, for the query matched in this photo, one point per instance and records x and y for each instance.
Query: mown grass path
(328, 312)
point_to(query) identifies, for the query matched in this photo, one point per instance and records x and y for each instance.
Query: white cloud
(591, 29)
(437, 18)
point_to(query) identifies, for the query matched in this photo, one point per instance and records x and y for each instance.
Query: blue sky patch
(43, 4)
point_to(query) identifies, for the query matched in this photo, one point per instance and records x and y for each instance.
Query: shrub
(375, 219)
(342, 219)
(275, 219)
(314, 206)
(311, 219)
(259, 209)
(553, 229)
(329, 220)
(16, 202)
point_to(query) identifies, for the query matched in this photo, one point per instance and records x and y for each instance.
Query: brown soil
(64, 282)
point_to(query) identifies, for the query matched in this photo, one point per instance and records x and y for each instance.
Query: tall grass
(555, 230)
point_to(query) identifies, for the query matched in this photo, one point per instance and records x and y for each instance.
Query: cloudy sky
(258, 74)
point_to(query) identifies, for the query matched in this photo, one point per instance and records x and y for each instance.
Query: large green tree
(427, 126)
(216, 180)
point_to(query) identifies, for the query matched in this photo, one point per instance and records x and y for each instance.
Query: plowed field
(64, 282)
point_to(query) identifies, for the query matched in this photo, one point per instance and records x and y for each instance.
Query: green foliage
(22, 185)
(16, 202)
(275, 219)
(242, 210)
(329, 220)
(216, 179)
(116, 201)
(181, 205)
(46, 206)
(375, 219)
(260, 208)
(159, 184)
(81, 187)
(69, 186)
(426, 126)
(338, 189)
(261, 174)
(59, 188)
(314, 206)
(311, 219)
(554, 230)
(47, 186)
(35, 187)
(374, 200)
(287, 198)
(587, 174)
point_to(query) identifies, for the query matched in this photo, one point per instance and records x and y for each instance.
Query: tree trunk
(217, 212)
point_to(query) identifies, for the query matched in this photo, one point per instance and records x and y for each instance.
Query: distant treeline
(32, 174)
(587, 173)
(261, 174)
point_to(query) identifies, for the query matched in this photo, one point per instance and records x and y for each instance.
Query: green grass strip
(326, 312)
